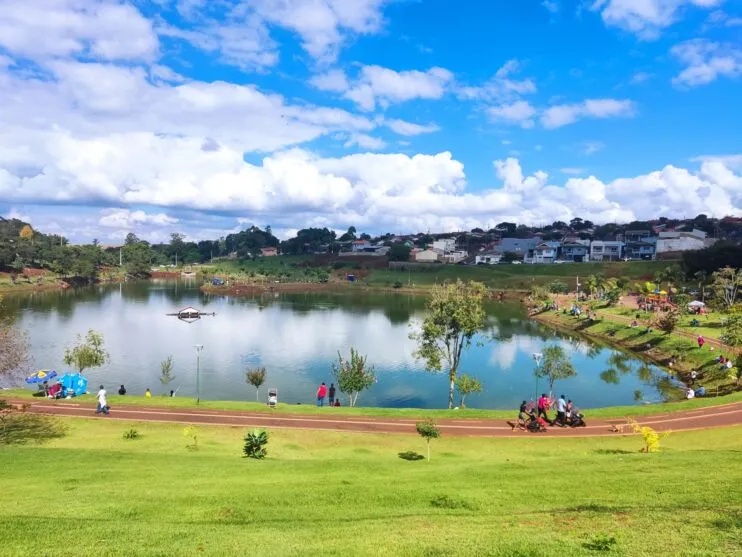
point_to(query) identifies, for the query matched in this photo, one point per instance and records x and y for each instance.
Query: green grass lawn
(710, 325)
(409, 413)
(325, 493)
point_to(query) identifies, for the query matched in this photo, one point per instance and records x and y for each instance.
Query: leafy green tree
(428, 431)
(256, 378)
(555, 366)
(166, 371)
(137, 259)
(87, 353)
(666, 321)
(509, 257)
(455, 313)
(467, 385)
(727, 283)
(732, 335)
(354, 375)
(399, 252)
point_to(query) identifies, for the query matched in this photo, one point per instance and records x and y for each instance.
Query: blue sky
(157, 116)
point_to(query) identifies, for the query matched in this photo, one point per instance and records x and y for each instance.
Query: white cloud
(730, 161)
(377, 85)
(640, 77)
(107, 30)
(408, 128)
(646, 18)
(592, 147)
(519, 112)
(565, 114)
(333, 80)
(502, 88)
(706, 61)
(126, 219)
(365, 142)
(572, 171)
(551, 6)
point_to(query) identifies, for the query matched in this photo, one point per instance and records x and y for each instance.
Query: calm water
(296, 337)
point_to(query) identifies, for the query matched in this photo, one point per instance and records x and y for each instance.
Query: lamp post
(199, 348)
(537, 356)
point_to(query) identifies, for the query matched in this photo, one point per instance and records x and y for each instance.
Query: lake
(296, 337)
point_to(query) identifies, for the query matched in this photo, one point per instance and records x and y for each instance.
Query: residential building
(544, 252)
(518, 246)
(269, 252)
(675, 241)
(455, 256)
(488, 258)
(606, 251)
(574, 252)
(645, 249)
(444, 246)
(360, 246)
(638, 236)
(426, 256)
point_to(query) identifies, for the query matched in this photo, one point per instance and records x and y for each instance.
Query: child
(148, 393)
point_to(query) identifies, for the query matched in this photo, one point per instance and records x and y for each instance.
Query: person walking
(331, 395)
(102, 402)
(321, 394)
(543, 406)
(701, 341)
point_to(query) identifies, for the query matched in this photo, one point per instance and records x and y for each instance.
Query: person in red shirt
(543, 406)
(321, 394)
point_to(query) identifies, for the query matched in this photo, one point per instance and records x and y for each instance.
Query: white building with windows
(606, 251)
(681, 241)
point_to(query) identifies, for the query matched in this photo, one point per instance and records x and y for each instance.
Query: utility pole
(121, 257)
(199, 348)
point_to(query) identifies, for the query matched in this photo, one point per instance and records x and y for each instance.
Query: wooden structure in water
(190, 314)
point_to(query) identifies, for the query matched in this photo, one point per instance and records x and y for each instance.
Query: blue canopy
(74, 383)
(41, 376)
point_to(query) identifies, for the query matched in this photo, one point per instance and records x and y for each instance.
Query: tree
(354, 375)
(555, 366)
(256, 378)
(732, 334)
(666, 321)
(131, 239)
(399, 252)
(87, 353)
(15, 357)
(455, 313)
(509, 257)
(428, 431)
(26, 232)
(727, 282)
(166, 371)
(701, 277)
(467, 385)
(736, 371)
(138, 259)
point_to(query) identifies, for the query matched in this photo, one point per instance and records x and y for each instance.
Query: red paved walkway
(717, 416)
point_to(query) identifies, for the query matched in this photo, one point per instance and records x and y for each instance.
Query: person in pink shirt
(701, 341)
(321, 394)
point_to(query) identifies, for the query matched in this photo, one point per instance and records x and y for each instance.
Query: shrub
(446, 502)
(666, 321)
(651, 437)
(398, 284)
(191, 431)
(601, 542)
(557, 287)
(255, 442)
(131, 434)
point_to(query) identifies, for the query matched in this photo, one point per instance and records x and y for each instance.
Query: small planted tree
(455, 314)
(166, 371)
(87, 353)
(666, 321)
(428, 431)
(650, 436)
(732, 334)
(353, 375)
(256, 378)
(191, 432)
(255, 443)
(467, 385)
(555, 366)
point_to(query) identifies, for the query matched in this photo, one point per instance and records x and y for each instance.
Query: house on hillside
(359, 246)
(574, 252)
(426, 256)
(518, 246)
(490, 258)
(444, 246)
(601, 250)
(678, 241)
(544, 252)
(269, 252)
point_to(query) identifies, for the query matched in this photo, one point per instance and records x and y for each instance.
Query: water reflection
(297, 337)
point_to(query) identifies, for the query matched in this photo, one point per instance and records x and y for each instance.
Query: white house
(444, 246)
(426, 256)
(606, 251)
(545, 252)
(488, 259)
(455, 256)
(360, 246)
(680, 241)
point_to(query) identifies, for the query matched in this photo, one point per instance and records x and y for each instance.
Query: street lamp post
(199, 348)
(537, 356)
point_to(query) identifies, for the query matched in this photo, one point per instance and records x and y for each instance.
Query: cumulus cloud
(705, 62)
(565, 114)
(551, 6)
(105, 30)
(124, 218)
(408, 128)
(503, 88)
(646, 18)
(365, 142)
(376, 85)
(519, 112)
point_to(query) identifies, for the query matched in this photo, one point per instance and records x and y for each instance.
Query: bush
(17, 427)
(601, 542)
(255, 443)
(398, 284)
(191, 431)
(131, 434)
(557, 287)
(666, 321)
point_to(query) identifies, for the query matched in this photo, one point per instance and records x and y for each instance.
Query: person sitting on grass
(337, 403)
(148, 393)
(122, 390)
(55, 391)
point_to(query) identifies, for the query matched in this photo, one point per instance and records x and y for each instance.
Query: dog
(617, 428)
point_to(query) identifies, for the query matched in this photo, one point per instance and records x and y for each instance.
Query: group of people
(147, 392)
(323, 392)
(536, 417)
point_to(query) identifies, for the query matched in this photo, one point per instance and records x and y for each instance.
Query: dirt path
(717, 416)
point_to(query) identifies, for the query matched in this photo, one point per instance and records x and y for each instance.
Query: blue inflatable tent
(74, 384)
